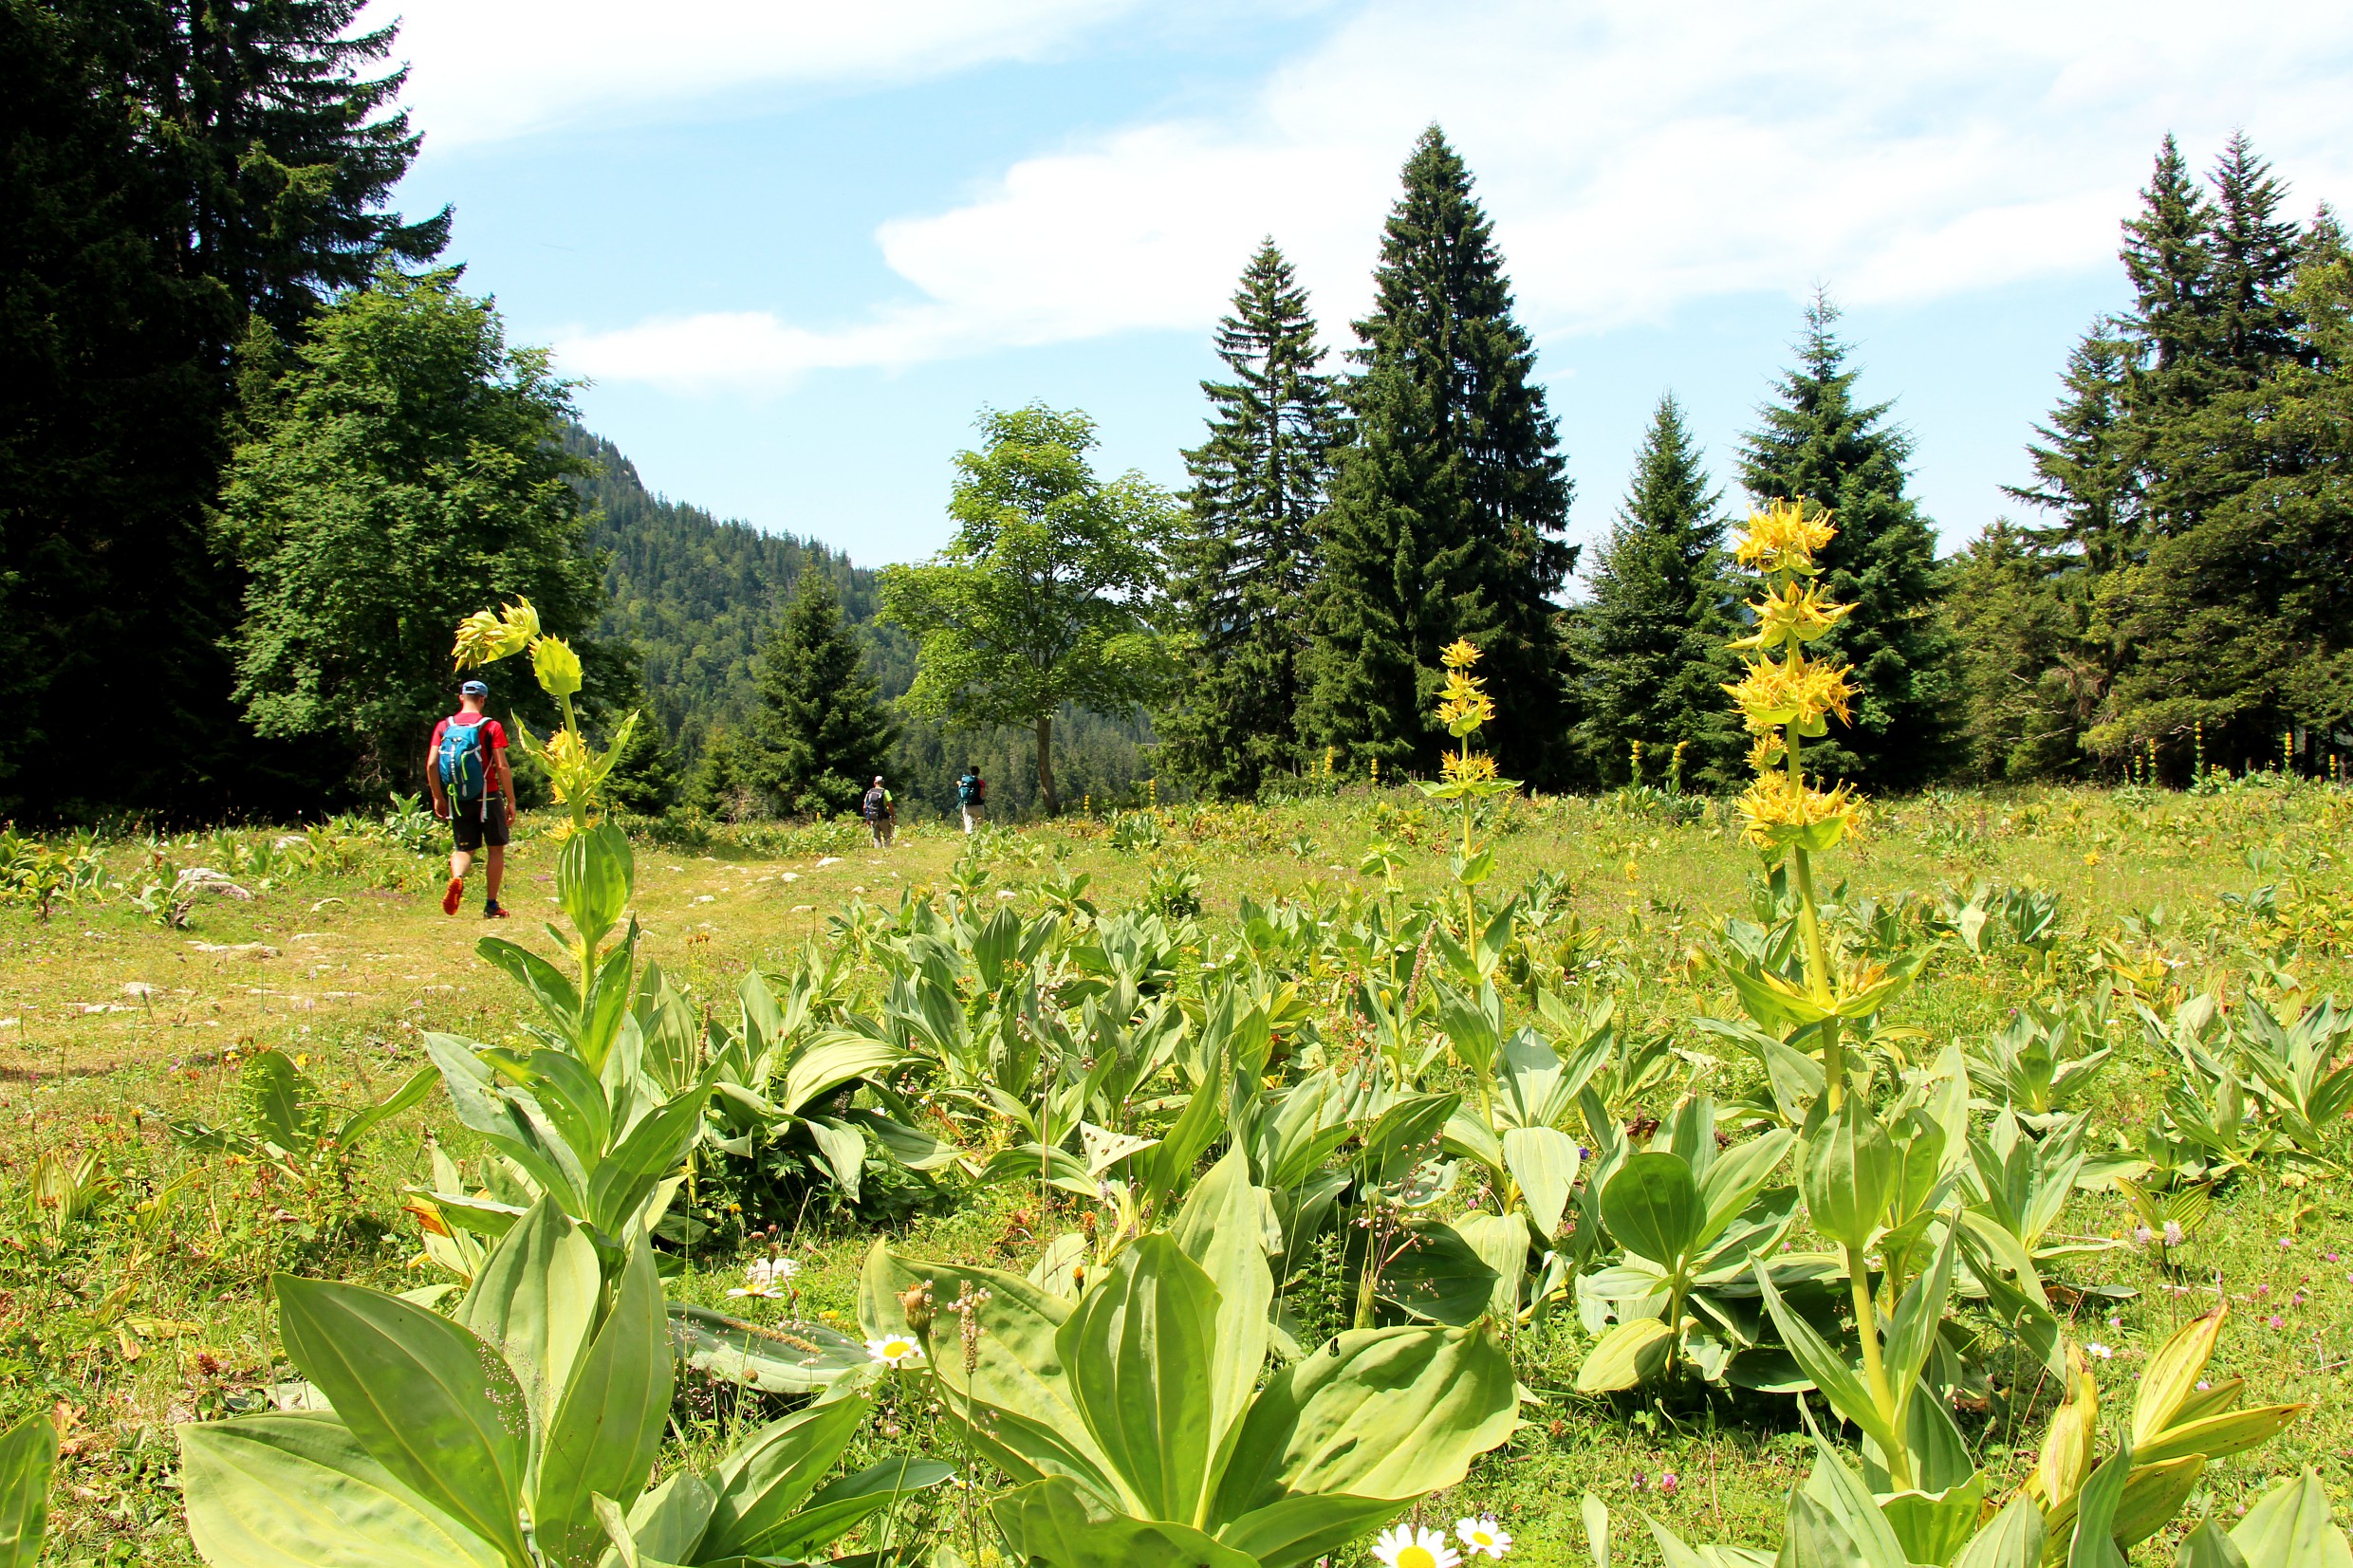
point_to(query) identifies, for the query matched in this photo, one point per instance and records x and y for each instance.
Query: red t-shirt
(497, 739)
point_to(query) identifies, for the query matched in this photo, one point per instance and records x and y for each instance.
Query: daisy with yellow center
(1483, 1535)
(895, 1350)
(1414, 1546)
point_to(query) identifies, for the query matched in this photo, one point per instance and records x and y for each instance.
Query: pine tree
(1242, 562)
(822, 733)
(721, 785)
(1650, 646)
(1818, 444)
(2168, 260)
(2085, 468)
(1448, 505)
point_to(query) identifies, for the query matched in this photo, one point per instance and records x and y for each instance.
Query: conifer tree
(1448, 503)
(823, 733)
(1243, 558)
(1650, 647)
(1818, 444)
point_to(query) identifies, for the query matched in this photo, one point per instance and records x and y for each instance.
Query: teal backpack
(463, 771)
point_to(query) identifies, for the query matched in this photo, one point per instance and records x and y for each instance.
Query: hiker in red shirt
(474, 792)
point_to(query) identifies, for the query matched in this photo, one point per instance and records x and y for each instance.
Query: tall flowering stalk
(1785, 699)
(574, 768)
(1465, 775)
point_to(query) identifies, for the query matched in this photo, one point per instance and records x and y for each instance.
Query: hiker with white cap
(881, 814)
(473, 791)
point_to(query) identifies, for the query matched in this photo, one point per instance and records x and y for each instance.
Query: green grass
(143, 1318)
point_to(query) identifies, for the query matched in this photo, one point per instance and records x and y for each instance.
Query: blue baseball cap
(473, 688)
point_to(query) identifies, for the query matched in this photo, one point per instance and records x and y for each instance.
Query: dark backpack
(464, 772)
(877, 803)
(971, 790)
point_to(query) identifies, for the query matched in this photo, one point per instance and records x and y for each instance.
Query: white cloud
(482, 70)
(1635, 157)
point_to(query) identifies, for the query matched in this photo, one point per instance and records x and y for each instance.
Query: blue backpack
(463, 773)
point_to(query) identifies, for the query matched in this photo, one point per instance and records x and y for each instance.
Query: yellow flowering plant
(1787, 697)
(575, 770)
(1464, 775)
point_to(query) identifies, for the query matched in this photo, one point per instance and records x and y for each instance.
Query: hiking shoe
(454, 895)
(491, 912)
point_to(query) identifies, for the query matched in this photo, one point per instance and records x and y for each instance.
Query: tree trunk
(1045, 765)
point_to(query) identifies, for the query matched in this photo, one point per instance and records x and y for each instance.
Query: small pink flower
(2263, 1290)
(1668, 1482)
(2286, 1243)
(2275, 1319)
(1641, 1480)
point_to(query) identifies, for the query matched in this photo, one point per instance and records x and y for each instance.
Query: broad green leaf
(567, 1093)
(1376, 1413)
(839, 1507)
(1651, 1205)
(2207, 1547)
(1849, 1176)
(652, 1149)
(1629, 1352)
(2013, 1538)
(2290, 1527)
(2093, 1545)
(1474, 1033)
(1918, 1316)
(299, 1491)
(2153, 1495)
(594, 871)
(1228, 1227)
(774, 1358)
(1834, 1483)
(2172, 1374)
(556, 995)
(1306, 1530)
(1838, 1383)
(1436, 1276)
(1596, 1515)
(1501, 1242)
(830, 1062)
(430, 1401)
(535, 1299)
(1136, 1352)
(1406, 1135)
(368, 1117)
(606, 1004)
(2233, 1432)
(765, 1479)
(1734, 1179)
(608, 1425)
(1051, 1521)
(1544, 1161)
(27, 1455)
(1934, 1527)
(669, 1523)
(532, 1141)
(843, 1148)
(1813, 1537)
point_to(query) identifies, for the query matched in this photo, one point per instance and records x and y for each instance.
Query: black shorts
(479, 823)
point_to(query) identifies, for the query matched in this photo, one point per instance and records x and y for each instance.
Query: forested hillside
(698, 596)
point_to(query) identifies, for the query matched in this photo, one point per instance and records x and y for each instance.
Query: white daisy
(1414, 1546)
(2095, 1349)
(767, 1276)
(895, 1350)
(1483, 1535)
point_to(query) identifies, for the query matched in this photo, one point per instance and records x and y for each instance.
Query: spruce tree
(823, 733)
(1243, 558)
(1818, 444)
(1649, 647)
(1448, 503)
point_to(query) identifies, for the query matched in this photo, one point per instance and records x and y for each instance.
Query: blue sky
(795, 247)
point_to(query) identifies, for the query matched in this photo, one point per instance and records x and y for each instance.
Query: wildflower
(1414, 1546)
(2098, 1351)
(1668, 1482)
(894, 1350)
(766, 1278)
(2331, 1256)
(2173, 1232)
(489, 635)
(2202, 1384)
(1801, 691)
(1463, 705)
(1793, 614)
(1775, 812)
(2286, 1244)
(556, 667)
(2142, 1236)
(1641, 1480)
(1468, 766)
(2275, 1320)
(1461, 654)
(1782, 538)
(2263, 1290)
(2116, 1322)
(1483, 1535)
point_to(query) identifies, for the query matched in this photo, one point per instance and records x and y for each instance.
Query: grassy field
(152, 1307)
